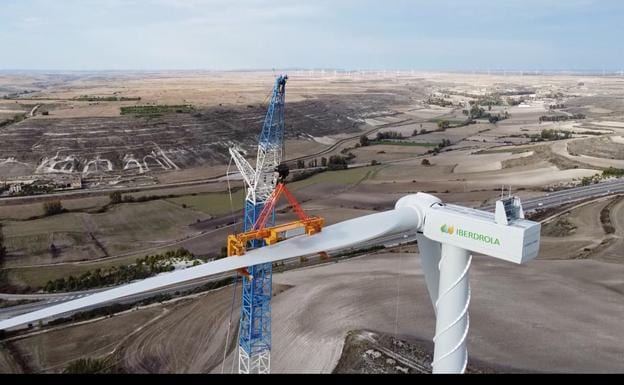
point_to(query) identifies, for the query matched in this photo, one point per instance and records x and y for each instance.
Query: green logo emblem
(450, 230)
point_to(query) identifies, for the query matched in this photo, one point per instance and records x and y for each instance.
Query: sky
(331, 34)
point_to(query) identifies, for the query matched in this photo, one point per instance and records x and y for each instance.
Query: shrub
(115, 197)
(337, 162)
(444, 124)
(52, 208)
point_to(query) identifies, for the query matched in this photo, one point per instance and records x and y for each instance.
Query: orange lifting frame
(236, 243)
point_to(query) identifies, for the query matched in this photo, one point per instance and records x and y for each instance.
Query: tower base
(259, 363)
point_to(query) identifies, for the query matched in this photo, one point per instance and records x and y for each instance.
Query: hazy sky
(349, 34)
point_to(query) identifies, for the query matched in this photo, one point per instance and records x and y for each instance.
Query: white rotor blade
(332, 237)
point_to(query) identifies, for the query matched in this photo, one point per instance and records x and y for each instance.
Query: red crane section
(270, 203)
(236, 243)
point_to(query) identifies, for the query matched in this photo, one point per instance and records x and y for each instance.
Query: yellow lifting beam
(236, 243)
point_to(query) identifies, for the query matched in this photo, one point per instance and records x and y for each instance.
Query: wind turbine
(447, 235)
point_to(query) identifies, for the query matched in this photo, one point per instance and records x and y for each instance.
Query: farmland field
(125, 227)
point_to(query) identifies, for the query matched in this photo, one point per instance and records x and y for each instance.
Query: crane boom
(271, 142)
(255, 321)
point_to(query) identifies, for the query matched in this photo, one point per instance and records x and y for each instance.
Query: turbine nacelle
(508, 237)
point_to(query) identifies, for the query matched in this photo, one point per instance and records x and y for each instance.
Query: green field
(88, 98)
(451, 120)
(29, 210)
(57, 223)
(129, 225)
(156, 110)
(348, 176)
(215, 204)
(38, 277)
(402, 143)
(125, 227)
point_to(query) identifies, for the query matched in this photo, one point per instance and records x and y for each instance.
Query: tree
(364, 141)
(423, 131)
(337, 162)
(52, 207)
(115, 197)
(389, 135)
(374, 162)
(425, 162)
(476, 111)
(54, 250)
(444, 143)
(444, 124)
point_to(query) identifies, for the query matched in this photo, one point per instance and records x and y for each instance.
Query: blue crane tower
(254, 339)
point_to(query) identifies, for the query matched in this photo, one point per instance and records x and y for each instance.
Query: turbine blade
(337, 236)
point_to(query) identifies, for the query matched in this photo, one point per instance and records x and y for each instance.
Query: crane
(254, 338)
(447, 235)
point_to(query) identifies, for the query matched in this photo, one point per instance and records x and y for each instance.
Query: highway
(549, 200)
(558, 198)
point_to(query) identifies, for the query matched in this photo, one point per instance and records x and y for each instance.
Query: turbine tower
(254, 338)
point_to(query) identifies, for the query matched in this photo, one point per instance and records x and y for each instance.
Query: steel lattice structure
(255, 317)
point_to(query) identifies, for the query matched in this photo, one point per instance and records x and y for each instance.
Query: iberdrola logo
(447, 229)
(450, 230)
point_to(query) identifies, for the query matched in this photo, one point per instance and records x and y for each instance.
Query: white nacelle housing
(477, 231)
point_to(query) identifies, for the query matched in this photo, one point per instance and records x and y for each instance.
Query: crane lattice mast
(255, 318)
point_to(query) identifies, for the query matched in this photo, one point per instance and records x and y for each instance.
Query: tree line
(143, 268)
(560, 118)
(551, 134)
(334, 162)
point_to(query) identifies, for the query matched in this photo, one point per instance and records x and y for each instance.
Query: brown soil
(560, 227)
(602, 147)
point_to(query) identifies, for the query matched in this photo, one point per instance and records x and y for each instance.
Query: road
(334, 147)
(575, 194)
(549, 200)
(34, 110)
